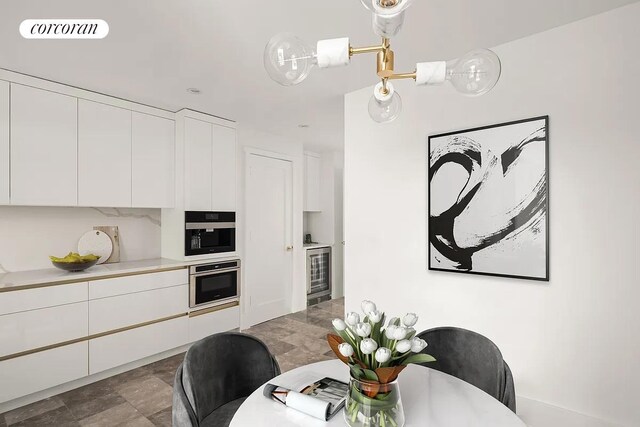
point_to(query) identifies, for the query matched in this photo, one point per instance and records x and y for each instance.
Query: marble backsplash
(28, 235)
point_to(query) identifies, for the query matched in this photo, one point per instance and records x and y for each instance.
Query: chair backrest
(224, 367)
(182, 413)
(473, 358)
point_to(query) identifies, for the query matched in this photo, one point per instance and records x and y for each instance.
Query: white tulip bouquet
(376, 354)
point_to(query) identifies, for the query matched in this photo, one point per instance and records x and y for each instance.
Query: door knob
(289, 248)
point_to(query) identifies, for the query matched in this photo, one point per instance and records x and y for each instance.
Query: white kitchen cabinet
(43, 147)
(153, 156)
(210, 166)
(118, 313)
(4, 143)
(311, 183)
(104, 155)
(198, 164)
(139, 283)
(39, 371)
(29, 330)
(136, 308)
(203, 325)
(224, 169)
(37, 298)
(118, 349)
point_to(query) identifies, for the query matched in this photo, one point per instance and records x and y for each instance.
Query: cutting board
(97, 243)
(113, 232)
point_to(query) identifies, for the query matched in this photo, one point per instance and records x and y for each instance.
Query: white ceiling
(158, 48)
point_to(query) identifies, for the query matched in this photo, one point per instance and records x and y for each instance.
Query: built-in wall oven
(214, 284)
(209, 233)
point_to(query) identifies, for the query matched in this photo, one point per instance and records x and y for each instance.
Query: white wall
(29, 235)
(573, 342)
(338, 224)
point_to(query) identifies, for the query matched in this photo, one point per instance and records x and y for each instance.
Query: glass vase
(373, 404)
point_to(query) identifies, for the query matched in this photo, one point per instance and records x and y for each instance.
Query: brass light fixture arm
(400, 76)
(369, 49)
(385, 61)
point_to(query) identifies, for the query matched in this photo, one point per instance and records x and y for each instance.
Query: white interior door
(269, 251)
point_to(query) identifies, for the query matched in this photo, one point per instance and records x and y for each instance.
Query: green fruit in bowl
(74, 261)
(75, 258)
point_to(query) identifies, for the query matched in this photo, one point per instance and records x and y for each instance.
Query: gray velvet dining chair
(473, 358)
(218, 373)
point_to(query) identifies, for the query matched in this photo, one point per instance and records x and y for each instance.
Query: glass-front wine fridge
(318, 275)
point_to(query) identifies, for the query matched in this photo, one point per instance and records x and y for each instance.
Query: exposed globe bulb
(288, 60)
(476, 73)
(387, 15)
(387, 7)
(385, 107)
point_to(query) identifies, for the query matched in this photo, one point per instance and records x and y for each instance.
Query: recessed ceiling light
(303, 126)
(194, 91)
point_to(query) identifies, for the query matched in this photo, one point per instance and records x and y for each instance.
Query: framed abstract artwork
(488, 199)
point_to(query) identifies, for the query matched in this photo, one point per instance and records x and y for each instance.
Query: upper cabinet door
(224, 169)
(104, 155)
(311, 183)
(4, 143)
(43, 147)
(198, 165)
(153, 166)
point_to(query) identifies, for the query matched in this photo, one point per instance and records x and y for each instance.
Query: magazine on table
(321, 398)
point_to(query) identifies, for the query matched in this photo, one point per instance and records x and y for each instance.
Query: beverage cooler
(318, 275)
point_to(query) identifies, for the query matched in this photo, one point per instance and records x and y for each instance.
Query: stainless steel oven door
(214, 286)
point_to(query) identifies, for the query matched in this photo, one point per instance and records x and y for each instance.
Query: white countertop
(316, 245)
(52, 276)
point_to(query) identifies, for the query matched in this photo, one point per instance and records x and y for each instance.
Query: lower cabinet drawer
(119, 349)
(117, 312)
(50, 296)
(142, 282)
(212, 323)
(33, 329)
(38, 371)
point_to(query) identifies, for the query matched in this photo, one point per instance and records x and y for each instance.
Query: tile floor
(143, 396)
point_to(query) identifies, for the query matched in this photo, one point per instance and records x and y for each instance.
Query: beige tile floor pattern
(143, 396)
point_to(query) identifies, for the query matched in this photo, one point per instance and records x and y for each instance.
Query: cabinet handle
(289, 248)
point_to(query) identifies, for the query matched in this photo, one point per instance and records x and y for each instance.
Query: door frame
(248, 152)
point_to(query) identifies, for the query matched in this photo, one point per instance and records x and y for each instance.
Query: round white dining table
(430, 399)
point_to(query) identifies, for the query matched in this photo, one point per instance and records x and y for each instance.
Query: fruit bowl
(74, 266)
(74, 262)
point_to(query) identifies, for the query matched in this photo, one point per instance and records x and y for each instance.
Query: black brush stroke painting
(489, 200)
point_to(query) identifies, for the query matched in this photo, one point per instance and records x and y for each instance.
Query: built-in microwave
(214, 284)
(209, 233)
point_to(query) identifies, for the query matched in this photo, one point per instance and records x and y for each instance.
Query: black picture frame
(546, 277)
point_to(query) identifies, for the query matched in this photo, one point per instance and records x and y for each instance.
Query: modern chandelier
(288, 61)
